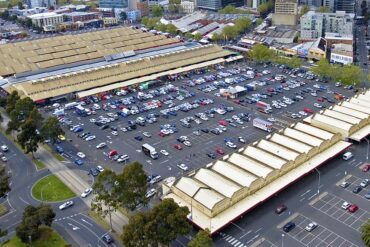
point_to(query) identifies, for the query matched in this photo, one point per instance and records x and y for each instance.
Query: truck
(262, 124)
(263, 107)
(149, 151)
(250, 87)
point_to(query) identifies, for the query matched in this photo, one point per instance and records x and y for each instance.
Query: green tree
(322, 68)
(351, 74)
(144, 20)
(166, 221)
(32, 219)
(3, 233)
(188, 35)
(242, 24)
(20, 113)
(11, 100)
(229, 33)
(202, 239)
(4, 181)
(304, 9)
(216, 37)
(135, 233)
(123, 16)
(157, 11)
(172, 29)
(259, 21)
(51, 129)
(260, 53)
(161, 27)
(293, 62)
(105, 201)
(28, 137)
(20, 5)
(323, 9)
(132, 186)
(197, 36)
(265, 8)
(229, 9)
(3, 102)
(365, 233)
(92, 5)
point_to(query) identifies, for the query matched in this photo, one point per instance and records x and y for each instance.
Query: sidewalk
(71, 179)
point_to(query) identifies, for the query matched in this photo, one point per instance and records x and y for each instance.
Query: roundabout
(51, 189)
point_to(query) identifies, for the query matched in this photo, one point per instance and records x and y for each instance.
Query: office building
(286, 12)
(315, 25)
(311, 3)
(42, 3)
(215, 5)
(340, 5)
(341, 53)
(46, 19)
(117, 4)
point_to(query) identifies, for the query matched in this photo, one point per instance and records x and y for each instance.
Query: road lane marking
(308, 191)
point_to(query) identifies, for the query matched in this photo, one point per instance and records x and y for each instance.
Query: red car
(178, 147)
(220, 151)
(320, 99)
(223, 122)
(307, 110)
(366, 168)
(112, 153)
(280, 209)
(353, 208)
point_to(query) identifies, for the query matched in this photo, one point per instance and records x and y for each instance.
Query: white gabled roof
(291, 143)
(250, 165)
(303, 137)
(332, 121)
(311, 130)
(264, 157)
(234, 173)
(341, 116)
(350, 112)
(360, 102)
(277, 150)
(216, 182)
(364, 97)
(189, 186)
(355, 107)
(208, 197)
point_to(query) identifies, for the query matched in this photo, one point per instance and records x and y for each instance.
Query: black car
(357, 189)
(107, 238)
(138, 138)
(211, 155)
(205, 130)
(105, 126)
(214, 131)
(113, 128)
(288, 226)
(93, 171)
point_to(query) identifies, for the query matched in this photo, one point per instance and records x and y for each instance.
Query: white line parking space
(331, 206)
(354, 182)
(318, 237)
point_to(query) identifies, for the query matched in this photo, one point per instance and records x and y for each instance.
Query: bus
(149, 151)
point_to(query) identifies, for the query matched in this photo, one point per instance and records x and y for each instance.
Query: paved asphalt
(73, 224)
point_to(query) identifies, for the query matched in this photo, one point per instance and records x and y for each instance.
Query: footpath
(71, 179)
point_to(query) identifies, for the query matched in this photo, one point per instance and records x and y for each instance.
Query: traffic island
(51, 189)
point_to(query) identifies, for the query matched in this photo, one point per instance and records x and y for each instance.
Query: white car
(364, 183)
(100, 168)
(66, 205)
(187, 143)
(4, 159)
(90, 138)
(86, 192)
(115, 133)
(150, 193)
(92, 120)
(271, 119)
(81, 155)
(317, 105)
(123, 158)
(101, 145)
(230, 145)
(147, 134)
(311, 226)
(164, 152)
(346, 205)
(183, 167)
(302, 113)
(4, 148)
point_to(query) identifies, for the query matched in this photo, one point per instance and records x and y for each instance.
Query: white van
(347, 155)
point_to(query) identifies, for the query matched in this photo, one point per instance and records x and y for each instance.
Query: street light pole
(367, 151)
(318, 185)
(282, 240)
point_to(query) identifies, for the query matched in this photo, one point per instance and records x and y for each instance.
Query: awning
(360, 134)
(226, 217)
(94, 91)
(231, 59)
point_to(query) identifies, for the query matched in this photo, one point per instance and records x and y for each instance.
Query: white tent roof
(303, 137)
(350, 112)
(341, 116)
(355, 107)
(291, 143)
(264, 157)
(311, 130)
(250, 165)
(360, 102)
(332, 121)
(277, 150)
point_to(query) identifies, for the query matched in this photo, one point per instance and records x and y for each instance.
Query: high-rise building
(218, 4)
(311, 3)
(286, 12)
(341, 5)
(315, 25)
(42, 3)
(117, 4)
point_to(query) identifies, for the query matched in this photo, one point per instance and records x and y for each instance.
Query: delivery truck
(262, 124)
(263, 107)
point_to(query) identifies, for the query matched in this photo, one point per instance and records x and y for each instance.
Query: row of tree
(262, 54)
(28, 123)
(265, 8)
(229, 9)
(347, 74)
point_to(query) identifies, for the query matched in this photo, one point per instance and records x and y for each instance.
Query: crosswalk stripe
(228, 237)
(233, 242)
(237, 244)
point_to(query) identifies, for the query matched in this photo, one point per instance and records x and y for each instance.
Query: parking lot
(179, 108)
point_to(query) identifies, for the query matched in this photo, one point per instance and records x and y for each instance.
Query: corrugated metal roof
(218, 183)
(290, 143)
(355, 107)
(234, 173)
(309, 129)
(303, 137)
(277, 150)
(350, 112)
(208, 197)
(264, 157)
(250, 165)
(189, 186)
(341, 116)
(332, 122)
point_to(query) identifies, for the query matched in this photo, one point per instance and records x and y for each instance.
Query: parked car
(311, 226)
(289, 226)
(344, 184)
(364, 183)
(93, 171)
(353, 208)
(346, 205)
(366, 168)
(357, 189)
(150, 193)
(183, 167)
(281, 208)
(178, 147)
(164, 152)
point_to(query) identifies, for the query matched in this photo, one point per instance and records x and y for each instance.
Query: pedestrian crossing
(233, 241)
